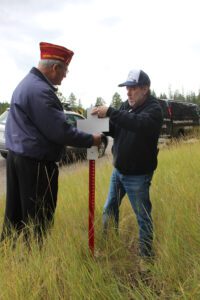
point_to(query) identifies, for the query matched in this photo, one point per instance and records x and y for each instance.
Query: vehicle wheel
(102, 148)
(4, 155)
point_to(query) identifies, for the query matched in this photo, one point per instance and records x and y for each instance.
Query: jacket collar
(144, 104)
(37, 72)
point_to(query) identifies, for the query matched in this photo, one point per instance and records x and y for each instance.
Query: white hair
(50, 62)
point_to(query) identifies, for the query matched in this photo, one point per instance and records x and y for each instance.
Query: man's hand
(100, 111)
(96, 139)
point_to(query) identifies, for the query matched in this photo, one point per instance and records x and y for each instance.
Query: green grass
(64, 268)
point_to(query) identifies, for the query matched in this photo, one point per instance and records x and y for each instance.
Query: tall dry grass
(64, 268)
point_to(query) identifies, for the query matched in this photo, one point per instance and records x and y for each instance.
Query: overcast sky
(109, 38)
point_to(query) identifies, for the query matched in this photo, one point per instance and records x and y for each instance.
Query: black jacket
(135, 132)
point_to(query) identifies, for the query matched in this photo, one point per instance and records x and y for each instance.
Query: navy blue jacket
(135, 132)
(36, 126)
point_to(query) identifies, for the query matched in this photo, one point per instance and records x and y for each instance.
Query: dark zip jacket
(135, 132)
(36, 126)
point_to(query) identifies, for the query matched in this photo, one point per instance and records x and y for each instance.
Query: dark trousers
(32, 188)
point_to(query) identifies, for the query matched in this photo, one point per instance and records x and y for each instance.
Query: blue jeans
(137, 189)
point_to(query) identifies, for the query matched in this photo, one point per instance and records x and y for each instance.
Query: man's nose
(128, 93)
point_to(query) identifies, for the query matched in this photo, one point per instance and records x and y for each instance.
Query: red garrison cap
(51, 51)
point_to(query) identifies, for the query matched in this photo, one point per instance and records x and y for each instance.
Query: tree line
(116, 101)
(3, 106)
(74, 104)
(71, 103)
(178, 96)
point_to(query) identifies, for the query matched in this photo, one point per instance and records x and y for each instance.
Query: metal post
(91, 204)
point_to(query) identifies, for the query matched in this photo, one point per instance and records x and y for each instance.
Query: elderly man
(36, 132)
(135, 128)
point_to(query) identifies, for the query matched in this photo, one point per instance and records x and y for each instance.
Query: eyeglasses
(64, 68)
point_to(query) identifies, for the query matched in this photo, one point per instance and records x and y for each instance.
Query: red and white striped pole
(91, 205)
(92, 125)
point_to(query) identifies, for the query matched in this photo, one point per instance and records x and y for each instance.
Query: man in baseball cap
(135, 129)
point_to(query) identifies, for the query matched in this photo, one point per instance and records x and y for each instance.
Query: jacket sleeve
(111, 123)
(50, 120)
(148, 121)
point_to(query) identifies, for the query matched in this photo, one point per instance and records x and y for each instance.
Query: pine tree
(198, 98)
(178, 96)
(3, 107)
(80, 108)
(163, 96)
(191, 97)
(63, 100)
(170, 93)
(153, 93)
(99, 101)
(80, 104)
(116, 101)
(72, 101)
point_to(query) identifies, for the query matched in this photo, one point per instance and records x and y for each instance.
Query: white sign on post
(93, 125)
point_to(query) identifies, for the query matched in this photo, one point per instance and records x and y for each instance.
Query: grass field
(64, 268)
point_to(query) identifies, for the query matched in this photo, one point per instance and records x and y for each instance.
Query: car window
(3, 117)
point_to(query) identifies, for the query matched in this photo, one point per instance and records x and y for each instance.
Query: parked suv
(70, 153)
(179, 117)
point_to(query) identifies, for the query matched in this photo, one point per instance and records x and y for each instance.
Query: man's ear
(145, 89)
(55, 67)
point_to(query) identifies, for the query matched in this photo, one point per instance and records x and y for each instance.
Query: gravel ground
(2, 176)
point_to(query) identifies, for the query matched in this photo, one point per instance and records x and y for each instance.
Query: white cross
(93, 125)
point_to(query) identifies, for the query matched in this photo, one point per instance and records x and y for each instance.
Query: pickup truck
(178, 117)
